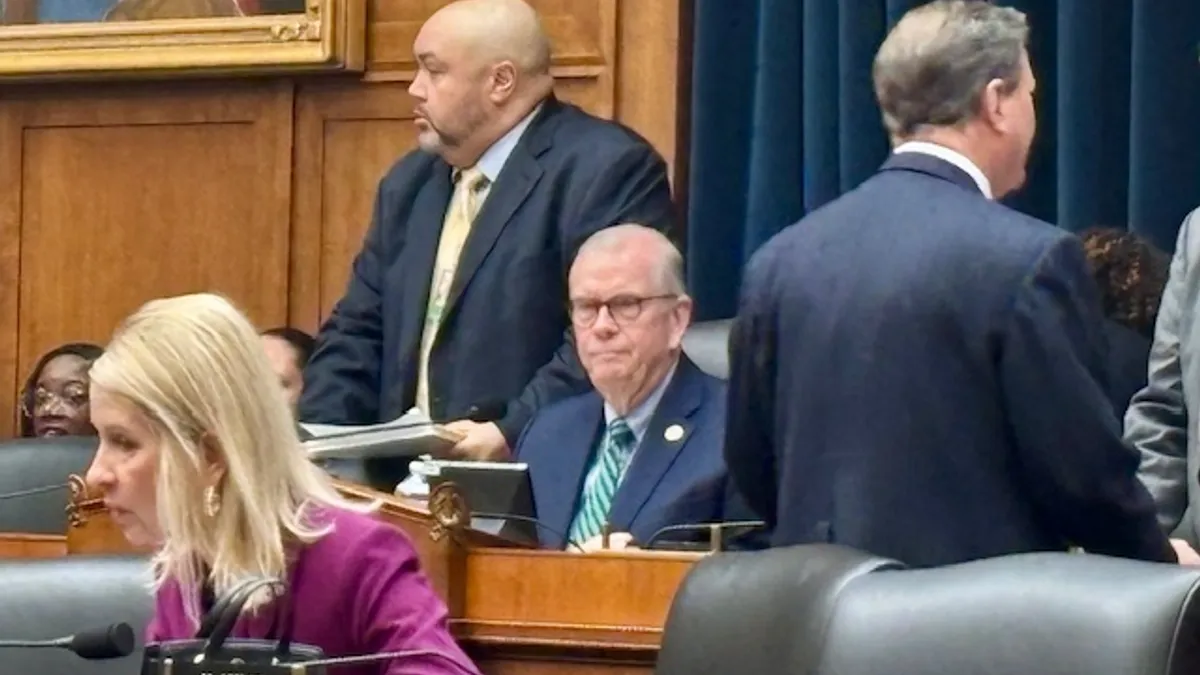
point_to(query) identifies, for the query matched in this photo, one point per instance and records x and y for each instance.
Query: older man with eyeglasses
(643, 450)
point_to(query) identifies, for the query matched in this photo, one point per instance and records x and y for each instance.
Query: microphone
(532, 521)
(715, 531)
(111, 642)
(34, 491)
(337, 662)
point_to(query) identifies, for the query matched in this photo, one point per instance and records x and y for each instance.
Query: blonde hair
(194, 366)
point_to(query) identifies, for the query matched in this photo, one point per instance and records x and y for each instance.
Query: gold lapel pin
(673, 433)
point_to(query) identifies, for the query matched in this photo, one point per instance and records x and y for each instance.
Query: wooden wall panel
(346, 138)
(260, 189)
(121, 201)
(615, 58)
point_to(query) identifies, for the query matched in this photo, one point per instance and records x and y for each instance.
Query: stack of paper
(411, 435)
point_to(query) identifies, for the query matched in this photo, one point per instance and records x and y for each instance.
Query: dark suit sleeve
(750, 414)
(342, 380)
(735, 509)
(1079, 473)
(631, 187)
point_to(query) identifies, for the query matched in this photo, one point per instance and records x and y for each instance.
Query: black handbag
(212, 652)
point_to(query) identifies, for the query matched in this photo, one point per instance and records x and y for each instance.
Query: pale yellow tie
(470, 190)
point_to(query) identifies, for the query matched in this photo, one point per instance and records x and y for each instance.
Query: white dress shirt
(954, 157)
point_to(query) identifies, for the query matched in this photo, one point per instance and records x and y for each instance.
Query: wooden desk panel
(19, 545)
(532, 612)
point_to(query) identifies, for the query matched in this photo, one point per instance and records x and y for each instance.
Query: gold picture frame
(329, 36)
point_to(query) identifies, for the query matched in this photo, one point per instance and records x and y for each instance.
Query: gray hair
(669, 261)
(938, 59)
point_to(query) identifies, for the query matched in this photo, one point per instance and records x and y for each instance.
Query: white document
(414, 416)
(411, 435)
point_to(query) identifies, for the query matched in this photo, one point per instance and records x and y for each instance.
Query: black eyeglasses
(622, 308)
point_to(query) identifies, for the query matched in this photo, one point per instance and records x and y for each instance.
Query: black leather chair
(758, 612)
(47, 599)
(707, 344)
(823, 610)
(31, 463)
(1020, 615)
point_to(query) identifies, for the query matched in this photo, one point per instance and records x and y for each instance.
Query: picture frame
(327, 36)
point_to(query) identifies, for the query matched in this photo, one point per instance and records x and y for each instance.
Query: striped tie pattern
(602, 481)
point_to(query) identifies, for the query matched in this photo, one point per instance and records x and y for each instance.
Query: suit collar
(640, 417)
(493, 160)
(581, 426)
(921, 162)
(520, 173)
(422, 232)
(670, 429)
(954, 157)
(512, 187)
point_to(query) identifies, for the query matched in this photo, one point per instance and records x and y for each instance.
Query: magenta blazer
(358, 590)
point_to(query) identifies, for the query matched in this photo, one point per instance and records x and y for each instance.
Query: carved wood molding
(82, 505)
(328, 36)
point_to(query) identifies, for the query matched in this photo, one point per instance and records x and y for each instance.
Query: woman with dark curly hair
(54, 401)
(1131, 274)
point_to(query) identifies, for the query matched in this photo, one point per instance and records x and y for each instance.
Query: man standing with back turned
(915, 367)
(457, 301)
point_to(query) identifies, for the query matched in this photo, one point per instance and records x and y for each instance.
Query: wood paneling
(259, 189)
(348, 136)
(130, 194)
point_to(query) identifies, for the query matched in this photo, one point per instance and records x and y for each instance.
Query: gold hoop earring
(212, 501)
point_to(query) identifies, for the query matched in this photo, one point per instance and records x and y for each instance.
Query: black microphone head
(110, 642)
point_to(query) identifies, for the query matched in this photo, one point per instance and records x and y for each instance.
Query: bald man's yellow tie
(470, 190)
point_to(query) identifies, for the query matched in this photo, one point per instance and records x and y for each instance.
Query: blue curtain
(784, 119)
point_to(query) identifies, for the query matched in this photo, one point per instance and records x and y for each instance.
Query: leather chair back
(28, 463)
(707, 345)
(755, 612)
(47, 599)
(827, 610)
(1020, 615)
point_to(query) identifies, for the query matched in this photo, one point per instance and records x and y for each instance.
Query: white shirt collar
(639, 418)
(954, 157)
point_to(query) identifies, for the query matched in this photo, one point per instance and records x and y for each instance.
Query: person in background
(1160, 419)
(917, 370)
(289, 349)
(456, 303)
(643, 451)
(54, 401)
(1131, 274)
(199, 462)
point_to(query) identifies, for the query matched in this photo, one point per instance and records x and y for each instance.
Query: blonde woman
(199, 459)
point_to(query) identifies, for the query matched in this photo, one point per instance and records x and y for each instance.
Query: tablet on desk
(498, 494)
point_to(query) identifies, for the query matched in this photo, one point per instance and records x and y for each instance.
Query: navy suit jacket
(667, 483)
(918, 372)
(504, 349)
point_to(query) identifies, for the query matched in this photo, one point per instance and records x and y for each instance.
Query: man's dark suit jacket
(678, 482)
(918, 372)
(503, 349)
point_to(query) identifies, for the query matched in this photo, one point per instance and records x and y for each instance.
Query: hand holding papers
(410, 436)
